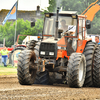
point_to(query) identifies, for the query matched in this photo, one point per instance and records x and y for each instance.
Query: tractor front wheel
(26, 70)
(76, 70)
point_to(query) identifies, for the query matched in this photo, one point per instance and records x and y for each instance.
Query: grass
(9, 70)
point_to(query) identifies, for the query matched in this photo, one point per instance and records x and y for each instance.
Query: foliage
(23, 27)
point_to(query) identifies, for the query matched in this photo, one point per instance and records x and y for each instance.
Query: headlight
(51, 53)
(42, 53)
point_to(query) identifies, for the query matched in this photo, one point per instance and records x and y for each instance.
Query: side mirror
(88, 24)
(32, 24)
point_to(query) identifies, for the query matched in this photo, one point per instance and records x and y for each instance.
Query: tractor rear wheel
(26, 70)
(96, 67)
(14, 54)
(42, 78)
(76, 70)
(89, 54)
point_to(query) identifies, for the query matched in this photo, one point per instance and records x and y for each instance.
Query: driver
(64, 27)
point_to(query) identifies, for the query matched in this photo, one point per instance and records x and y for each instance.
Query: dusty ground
(10, 89)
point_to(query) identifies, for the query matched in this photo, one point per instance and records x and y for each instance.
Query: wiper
(67, 30)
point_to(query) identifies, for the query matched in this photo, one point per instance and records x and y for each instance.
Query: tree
(23, 27)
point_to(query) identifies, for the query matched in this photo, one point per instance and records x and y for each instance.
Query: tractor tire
(18, 48)
(55, 77)
(89, 54)
(34, 46)
(31, 45)
(52, 79)
(96, 67)
(76, 70)
(13, 53)
(26, 70)
(42, 78)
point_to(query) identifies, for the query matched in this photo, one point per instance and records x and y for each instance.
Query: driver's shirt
(65, 28)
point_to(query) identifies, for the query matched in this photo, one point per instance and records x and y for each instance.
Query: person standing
(4, 52)
(97, 39)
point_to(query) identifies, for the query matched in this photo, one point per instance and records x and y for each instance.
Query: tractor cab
(67, 22)
(65, 33)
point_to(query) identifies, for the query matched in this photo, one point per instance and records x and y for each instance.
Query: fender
(81, 45)
(21, 46)
(62, 54)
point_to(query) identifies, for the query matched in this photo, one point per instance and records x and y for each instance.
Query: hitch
(42, 63)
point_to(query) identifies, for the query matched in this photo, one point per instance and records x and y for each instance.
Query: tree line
(23, 28)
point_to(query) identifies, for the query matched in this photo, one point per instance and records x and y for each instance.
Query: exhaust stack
(56, 34)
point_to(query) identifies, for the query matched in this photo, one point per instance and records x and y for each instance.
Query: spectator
(4, 52)
(97, 39)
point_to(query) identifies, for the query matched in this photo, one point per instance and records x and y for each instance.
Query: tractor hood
(50, 40)
(49, 47)
(60, 41)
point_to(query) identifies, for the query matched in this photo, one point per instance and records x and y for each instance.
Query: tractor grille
(48, 48)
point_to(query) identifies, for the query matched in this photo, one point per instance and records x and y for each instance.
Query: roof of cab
(64, 13)
(68, 12)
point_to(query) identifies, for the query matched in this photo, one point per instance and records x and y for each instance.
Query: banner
(12, 14)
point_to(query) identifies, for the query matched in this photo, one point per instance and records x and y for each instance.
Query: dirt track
(10, 89)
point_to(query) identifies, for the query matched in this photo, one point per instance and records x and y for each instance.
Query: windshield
(65, 23)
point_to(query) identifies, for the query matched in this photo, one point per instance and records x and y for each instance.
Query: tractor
(64, 53)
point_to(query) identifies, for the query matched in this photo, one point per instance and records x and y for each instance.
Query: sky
(24, 4)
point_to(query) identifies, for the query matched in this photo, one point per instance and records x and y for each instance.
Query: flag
(12, 14)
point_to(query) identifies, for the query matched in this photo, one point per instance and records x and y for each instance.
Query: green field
(9, 70)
